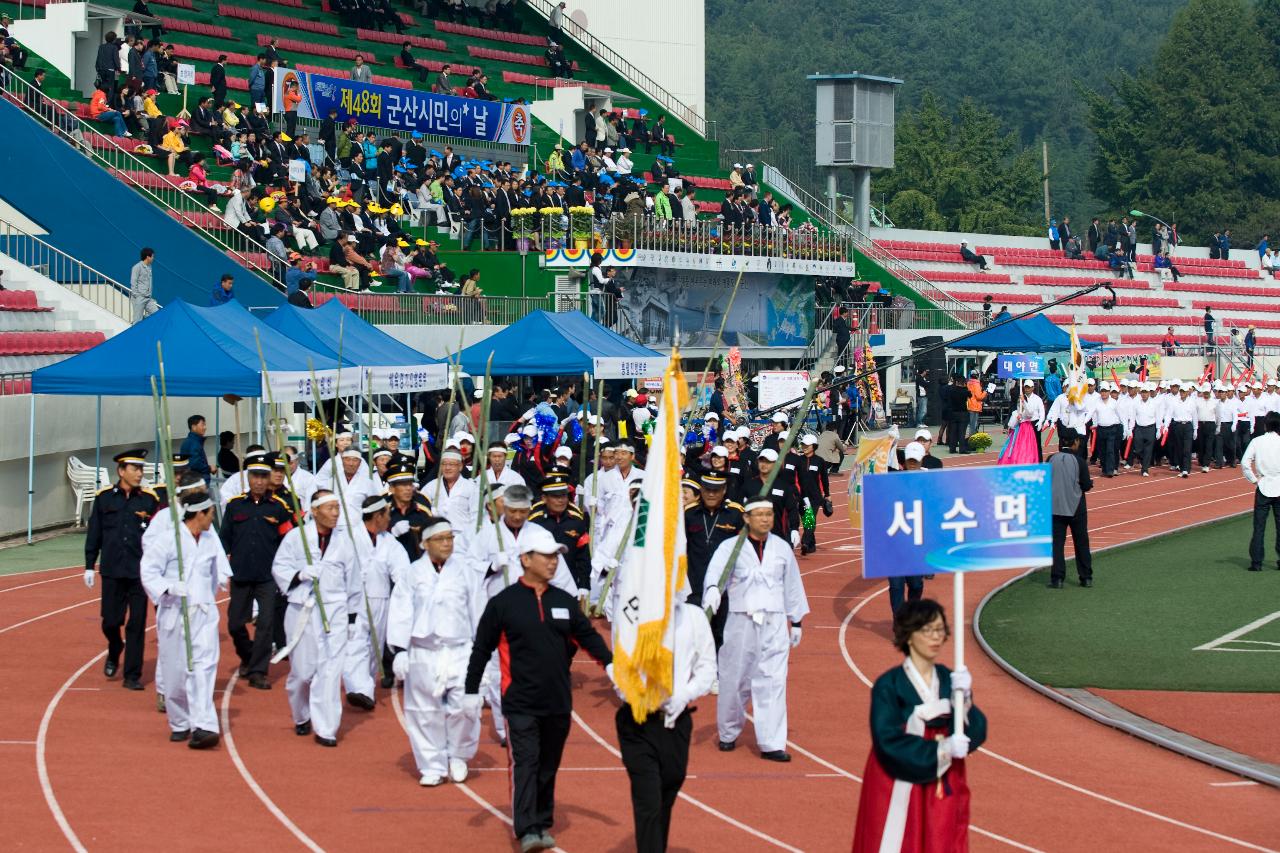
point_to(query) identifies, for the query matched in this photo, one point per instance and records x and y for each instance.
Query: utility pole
(1044, 147)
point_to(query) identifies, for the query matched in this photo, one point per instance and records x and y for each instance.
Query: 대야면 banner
(404, 109)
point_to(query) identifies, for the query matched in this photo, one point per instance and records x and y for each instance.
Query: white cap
(512, 438)
(839, 369)
(1217, 385)
(711, 416)
(563, 453)
(809, 440)
(1175, 383)
(735, 165)
(539, 539)
(452, 444)
(530, 430)
(924, 433)
(631, 392)
(479, 395)
(1203, 388)
(914, 450)
(461, 436)
(1147, 386)
(720, 450)
(780, 418)
(1091, 381)
(1257, 385)
(770, 454)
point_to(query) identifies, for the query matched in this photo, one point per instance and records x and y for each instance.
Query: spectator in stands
(1164, 262)
(688, 205)
(360, 72)
(408, 61)
(735, 176)
(140, 286)
(291, 98)
(1118, 260)
(272, 51)
(602, 127)
(658, 134)
(223, 293)
(1095, 235)
(205, 121)
(662, 205)
(175, 146)
(392, 264)
(1250, 341)
(749, 176)
(555, 21)
(1002, 315)
(1064, 231)
(624, 162)
(443, 85)
(986, 310)
(556, 60)
(1131, 243)
(258, 80)
(99, 110)
(299, 297)
(1225, 243)
(15, 55)
(276, 252)
(357, 261)
(1169, 344)
(471, 291)
(1072, 250)
(383, 14)
(481, 88)
(1262, 246)
(1209, 322)
(969, 256)
(301, 271)
(197, 175)
(127, 104)
(1215, 246)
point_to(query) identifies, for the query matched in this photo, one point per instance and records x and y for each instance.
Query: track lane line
(14, 627)
(37, 583)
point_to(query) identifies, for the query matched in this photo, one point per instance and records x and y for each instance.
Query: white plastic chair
(85, 483)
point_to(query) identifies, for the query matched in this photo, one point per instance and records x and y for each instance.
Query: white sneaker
(1145, 474)
(430, 780)
(457, 770)
(1204, 470)
(1184, 475)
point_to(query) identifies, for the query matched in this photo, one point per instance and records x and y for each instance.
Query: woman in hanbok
(914, 794)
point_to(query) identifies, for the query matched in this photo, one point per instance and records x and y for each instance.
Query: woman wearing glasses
(914, 793)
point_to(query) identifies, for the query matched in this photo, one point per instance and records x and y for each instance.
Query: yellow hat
(420, 242)
(397, 210)
(267, 205)
(278, 194)
(333, 199)
(402, 244)
(284, 137)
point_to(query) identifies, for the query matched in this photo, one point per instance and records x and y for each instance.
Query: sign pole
(957, 612)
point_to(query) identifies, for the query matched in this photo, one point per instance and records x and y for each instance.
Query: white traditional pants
(359, 665)
(305, 237)
(439, 729)
(753, 667)
(189, 695)
(491, 690)
(315, 668)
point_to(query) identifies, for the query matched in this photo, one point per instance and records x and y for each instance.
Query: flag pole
(957, 607)
(163, 424)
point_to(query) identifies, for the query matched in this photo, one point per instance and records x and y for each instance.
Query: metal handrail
(120, 163)
(450, 308)
(60, 268)
(834, 220)
(674, 106)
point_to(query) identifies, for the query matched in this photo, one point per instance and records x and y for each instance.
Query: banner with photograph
(404, 110)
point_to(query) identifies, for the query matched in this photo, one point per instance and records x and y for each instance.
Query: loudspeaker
(935, 364)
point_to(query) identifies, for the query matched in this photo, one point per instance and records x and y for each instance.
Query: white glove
(711, 599)
(795, 539)
(472, 703)
(795, 636)
(608, 670)
(400, 528)
(962, 680)
(89, 578)
(957, 745)
(351, 631)
(400, 666)
(308, 573)
(178, 588)
(671, 711)
(893, 432)
(991, 387)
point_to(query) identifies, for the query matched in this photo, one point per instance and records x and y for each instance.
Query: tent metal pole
(408, 419)
(97, 448)
(31, 469)
(312, 413)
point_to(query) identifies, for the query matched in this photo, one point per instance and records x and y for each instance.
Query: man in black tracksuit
(569, 525)
(119, 516)
(786, 503)
(539, 627)
(814, 488)
(706, 524)
(252, 527)
(956, 398)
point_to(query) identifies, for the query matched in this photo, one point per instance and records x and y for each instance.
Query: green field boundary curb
(1126, 721)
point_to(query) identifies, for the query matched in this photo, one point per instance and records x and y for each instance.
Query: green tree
(1196, 135)
(961, 174)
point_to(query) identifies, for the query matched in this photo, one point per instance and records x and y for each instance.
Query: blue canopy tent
(1033, 334)
(208, 352)
(551, 344)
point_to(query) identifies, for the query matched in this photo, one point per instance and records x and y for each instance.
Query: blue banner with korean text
(403, 110)
(956, 520)
(1020, 365)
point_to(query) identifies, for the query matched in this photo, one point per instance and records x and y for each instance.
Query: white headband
(352, 453)
(436, 529)
(758, 504)
(451, 454)
(198, 507)
(198, 484)
(330, 498)
(374, 508)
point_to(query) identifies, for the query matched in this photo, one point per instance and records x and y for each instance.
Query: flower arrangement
(979, 442)
(523, 220)
(580, 221)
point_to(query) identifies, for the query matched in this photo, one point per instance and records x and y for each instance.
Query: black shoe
(361, 701)
(776, 755)
(259, 681)
(388, 681)
(243, 670)
(728, 745)
(326, 741)
(110, 668)
(201, 739)
(179, 737)
(131, 684)
(502, 742)
(1086, 582)
(1255, 568)
(302, 729)
(1055, 584)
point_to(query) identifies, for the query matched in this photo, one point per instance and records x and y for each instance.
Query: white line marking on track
(844, 650)
(18, 742)
(229, 740)
(1240, 632)
(42, 769)
(36, 571)
(686, 797)
(1241, 784)
(38, 583)
(47, 615)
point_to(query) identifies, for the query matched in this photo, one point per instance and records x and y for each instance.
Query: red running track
(87, 764)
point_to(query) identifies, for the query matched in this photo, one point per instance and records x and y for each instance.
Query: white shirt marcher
(433, 616)
(764, 591)
(382, 560)
(188, 695)
(1261, 464)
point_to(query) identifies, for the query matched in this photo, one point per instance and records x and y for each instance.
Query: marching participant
(569, 525)
(407, 505)
(613, 538)
(1144, 425)
(712, 521)
(117, 521)
(1183, 426)
(1109, 428)
(1224, 444)
(1030, 411)
(1244, 419)
(765, 593)
(357, 484)
(304, 482)
(1076, 416)
(1126, 405)
(914, 793)
(777, 426)
(786, 503)
(1258, 406)
(204, 569)
(498, 470)
(815, 487)
(238, 483)
(619, 478)
(382, 561)
(316, 657)
(434, 610)
(252, 527)
(1206, 426)
(454, 496)
(179, 463)
(590, 495)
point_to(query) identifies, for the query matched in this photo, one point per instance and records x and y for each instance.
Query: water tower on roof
(854, 128)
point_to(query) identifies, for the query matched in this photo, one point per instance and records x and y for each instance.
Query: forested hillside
(1023, 60)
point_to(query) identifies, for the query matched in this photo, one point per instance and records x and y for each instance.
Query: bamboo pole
(161, 404)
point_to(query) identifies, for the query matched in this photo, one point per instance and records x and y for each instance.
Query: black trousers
(957, 422)
(1144, 439)
(1207, 432)
(277, 628)
(255, 652)
(1078, 524)
(656, 759)
(1244, 434)
(1224, 445)
(1180, 437)
(124, 604)
(536, 744)
(1109, 447)
(1262, 506)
